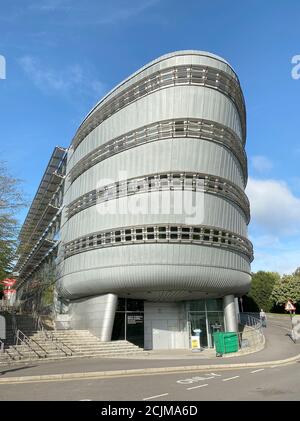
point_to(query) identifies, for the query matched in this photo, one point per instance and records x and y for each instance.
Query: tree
(11, 200)
(260, 292)
(297, 272)
(287, 288)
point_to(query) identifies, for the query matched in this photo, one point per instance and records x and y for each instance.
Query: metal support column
(230, 313)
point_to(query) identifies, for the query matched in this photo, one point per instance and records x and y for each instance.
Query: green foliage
(287, 288)
(10, 201)
(259, 296)
(48, 295)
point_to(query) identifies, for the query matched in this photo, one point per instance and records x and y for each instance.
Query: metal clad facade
(150, 269)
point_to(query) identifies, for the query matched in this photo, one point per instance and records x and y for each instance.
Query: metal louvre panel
(173, 254)
(176, 154)
(197, 235)
(215, 211)
(168, 60)
(186, 74)
(185, 127)
(195, 103)
(162, 181)
(156, 267)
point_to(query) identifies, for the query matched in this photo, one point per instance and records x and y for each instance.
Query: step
(91, 345)
(103, 352)
(106, 350)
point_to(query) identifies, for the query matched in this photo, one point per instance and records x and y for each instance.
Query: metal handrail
(249, 320)
(254, 335)
(28, 342)
(14, 326)
(58, 344)
(17, 351)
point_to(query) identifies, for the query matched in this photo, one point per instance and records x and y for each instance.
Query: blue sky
(62, 56)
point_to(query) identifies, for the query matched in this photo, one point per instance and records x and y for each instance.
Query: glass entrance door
(214, 323)
(198, 321)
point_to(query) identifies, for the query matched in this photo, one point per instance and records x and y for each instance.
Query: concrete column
(230, 313)
(237, 309)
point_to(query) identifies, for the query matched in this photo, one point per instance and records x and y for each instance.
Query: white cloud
(69, 81)
(119, 14)
(262, 241)
(274, 208)
(50, 5)
(97, 12)
(284, 261)
(261, 163)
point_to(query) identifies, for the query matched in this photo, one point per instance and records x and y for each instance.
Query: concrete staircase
(58, 344)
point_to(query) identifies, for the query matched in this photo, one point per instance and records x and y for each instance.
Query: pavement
(279, 349)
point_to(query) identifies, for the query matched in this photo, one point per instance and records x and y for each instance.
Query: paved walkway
(278, 346)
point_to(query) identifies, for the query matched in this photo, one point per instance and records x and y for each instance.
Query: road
(272, 383)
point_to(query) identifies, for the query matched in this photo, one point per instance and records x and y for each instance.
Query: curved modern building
(154, 224)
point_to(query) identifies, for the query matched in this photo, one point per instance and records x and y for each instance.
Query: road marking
(196, 387)
(83, 400)
(256, 371)
(274, 366)
(197, 379)
(157, 396)
(230, 378)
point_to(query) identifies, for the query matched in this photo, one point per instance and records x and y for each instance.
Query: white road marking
(256, 371)
(83, 400)
(157, 396)
(197, 379)
(274, 366)
(230, 378)
(196, 387)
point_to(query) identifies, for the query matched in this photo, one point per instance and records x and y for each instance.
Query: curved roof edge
(151, 63)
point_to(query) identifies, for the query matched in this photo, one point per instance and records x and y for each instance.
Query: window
(185, 236)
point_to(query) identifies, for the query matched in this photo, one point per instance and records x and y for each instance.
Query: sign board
(289, 306)
(8, 282)
(135, 319)
(195, 342)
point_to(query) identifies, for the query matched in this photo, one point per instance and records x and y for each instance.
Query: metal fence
(250, 330)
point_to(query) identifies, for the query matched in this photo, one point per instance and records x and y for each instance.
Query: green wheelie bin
(226, 342)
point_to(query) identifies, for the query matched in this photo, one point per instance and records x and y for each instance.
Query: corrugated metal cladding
(166, 96)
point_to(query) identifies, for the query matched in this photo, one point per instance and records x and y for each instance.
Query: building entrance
(206, 315)
(129, 321)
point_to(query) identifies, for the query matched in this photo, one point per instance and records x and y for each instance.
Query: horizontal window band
(190, 75)
(174, 181)
(161, 130)
(172, 234)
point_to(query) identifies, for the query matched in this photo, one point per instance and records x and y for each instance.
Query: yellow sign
(195, 342)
